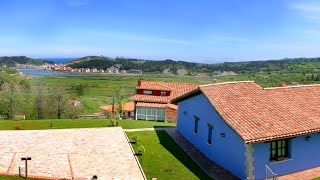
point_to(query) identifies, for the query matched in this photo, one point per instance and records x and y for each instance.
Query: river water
(44, 72)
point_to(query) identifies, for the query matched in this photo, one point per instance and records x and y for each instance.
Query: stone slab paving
(210, 167)
(69, 153)
(306, 174)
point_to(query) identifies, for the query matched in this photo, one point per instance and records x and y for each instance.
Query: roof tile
(258, 114)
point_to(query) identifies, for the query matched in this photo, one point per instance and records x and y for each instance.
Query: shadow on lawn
(167, 142)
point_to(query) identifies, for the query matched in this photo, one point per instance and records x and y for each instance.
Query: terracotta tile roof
(149, 98)
(129, 106)
(172, 106)
(152, 105)
(177, 89)
(153, 85)
(258, 114)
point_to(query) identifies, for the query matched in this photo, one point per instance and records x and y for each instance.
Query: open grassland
(163, 158)
(95, 91)
(70, 123)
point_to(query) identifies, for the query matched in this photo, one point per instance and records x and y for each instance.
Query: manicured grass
(71, 123)
(2, 177)
(164, 159)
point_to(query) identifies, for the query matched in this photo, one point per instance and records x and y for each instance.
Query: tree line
(34, 100)
(283, 65)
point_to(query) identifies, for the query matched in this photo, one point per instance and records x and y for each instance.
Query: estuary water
(44, 72)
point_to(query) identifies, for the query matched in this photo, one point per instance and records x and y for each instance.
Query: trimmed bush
(17, 127)
(141, 150)
(135, 138)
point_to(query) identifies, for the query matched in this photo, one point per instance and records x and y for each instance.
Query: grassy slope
(69, 123)
(165, 159)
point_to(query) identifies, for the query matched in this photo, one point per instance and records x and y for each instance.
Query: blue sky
(202, 31)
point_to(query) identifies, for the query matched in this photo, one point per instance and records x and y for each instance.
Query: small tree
(59, 98)
(40, 99)
(10, 99)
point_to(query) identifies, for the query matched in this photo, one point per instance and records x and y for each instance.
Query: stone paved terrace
(306, 174)
(69, 153)
(210, 167)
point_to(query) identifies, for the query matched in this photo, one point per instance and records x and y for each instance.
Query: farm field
(95, 91)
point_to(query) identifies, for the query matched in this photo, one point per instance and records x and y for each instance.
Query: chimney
(139, 83)
(282, 84)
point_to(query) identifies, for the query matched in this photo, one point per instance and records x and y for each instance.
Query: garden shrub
(141, 150)
(17, 127)
(135, 138)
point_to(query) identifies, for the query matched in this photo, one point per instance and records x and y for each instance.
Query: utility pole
(113, 104)
(26, 159)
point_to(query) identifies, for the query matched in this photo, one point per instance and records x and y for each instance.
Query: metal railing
(270, 174)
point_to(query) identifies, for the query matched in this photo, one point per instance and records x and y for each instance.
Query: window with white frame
(147, 92)
(163, 93)
(151, 114)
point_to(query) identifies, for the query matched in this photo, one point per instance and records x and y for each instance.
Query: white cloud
(310, 10)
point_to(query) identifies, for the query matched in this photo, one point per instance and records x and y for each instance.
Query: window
(155, 114)
(210, 128)
(196, 122)
(147, 92)
(163, 93)
(279, 149)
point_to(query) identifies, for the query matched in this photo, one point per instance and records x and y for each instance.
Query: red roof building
(127, 109)
(153, 99)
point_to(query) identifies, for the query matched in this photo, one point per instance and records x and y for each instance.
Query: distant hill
(58, 60)
(12, 60)
(174, 67)
(149, 66)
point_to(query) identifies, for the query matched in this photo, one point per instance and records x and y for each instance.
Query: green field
(75, 123)
(96, 91)
(164, 159)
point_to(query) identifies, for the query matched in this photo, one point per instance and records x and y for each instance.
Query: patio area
(69, 153)
(306, 174)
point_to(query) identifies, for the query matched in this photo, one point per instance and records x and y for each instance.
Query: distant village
(115, 69)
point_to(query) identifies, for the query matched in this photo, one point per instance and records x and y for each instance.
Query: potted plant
(280, 158)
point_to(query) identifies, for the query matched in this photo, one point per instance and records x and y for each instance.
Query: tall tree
(10, 99)
(40, 99)
(59, 99)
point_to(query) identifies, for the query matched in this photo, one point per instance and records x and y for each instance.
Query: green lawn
(2, 177)
(71, 123)
(164, 159)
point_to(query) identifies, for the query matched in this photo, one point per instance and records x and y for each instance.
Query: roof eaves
(231, 82)
(295, 86)
(184, 96)
(267, 139)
